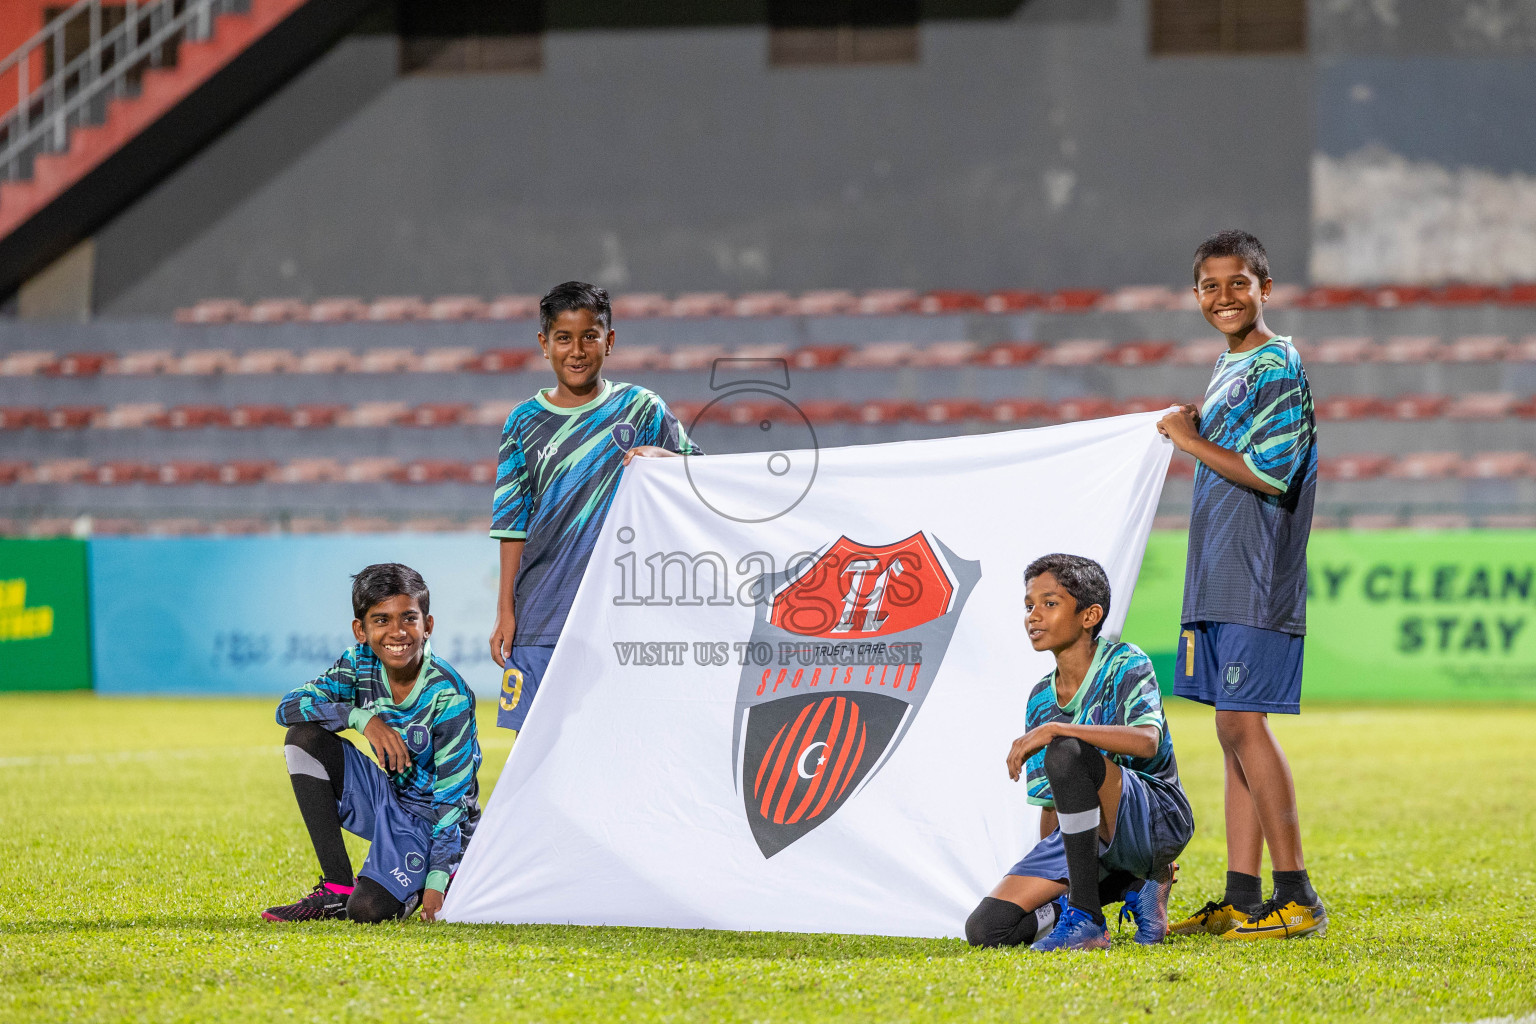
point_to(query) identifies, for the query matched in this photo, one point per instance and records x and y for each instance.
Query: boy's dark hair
(1234, 243)
(386, 580)
(1081, 577)
(563, 298)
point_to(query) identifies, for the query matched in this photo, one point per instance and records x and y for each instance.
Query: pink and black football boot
(327, 903)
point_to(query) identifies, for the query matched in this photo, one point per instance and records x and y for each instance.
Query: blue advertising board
(259, 615)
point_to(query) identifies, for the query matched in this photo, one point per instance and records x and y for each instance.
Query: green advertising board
(1391, 615)
(44, 627)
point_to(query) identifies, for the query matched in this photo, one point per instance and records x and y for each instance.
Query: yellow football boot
(1212, 919)
(1289, 920)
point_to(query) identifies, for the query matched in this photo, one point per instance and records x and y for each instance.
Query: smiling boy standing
(1245, 585)
(562, 452)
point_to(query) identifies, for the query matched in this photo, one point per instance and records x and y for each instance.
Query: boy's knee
(309, 737)
(992, 922)
(371, 903)
(1067, 754)
(1234, 728)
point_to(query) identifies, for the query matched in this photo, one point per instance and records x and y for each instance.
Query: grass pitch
(141, 837)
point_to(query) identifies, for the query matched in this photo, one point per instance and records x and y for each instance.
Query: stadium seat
(62, 471)
(371, 414)
(819, 357)
(951, 301)
(1349, 407)
(740, 412)
(1072, 410)
(1074, 352)
(242, 526)
(186, 472)
(367, 524)
(27, 417)
(432, 471)
(1478, 348)
(881, 355)
(435, 414)
(514, 307)
(1341, 350)
(213, 311)
(490, 414)
(764, 351)
(432, 524)
(389, 360)
(1463, 295)
(1415, 407)
(826, 302)
(1373, 521)
(379, 469)
(1155, 403)
(1353, 467)
(690, 357)
(1425, 466)
(202, 362)
(1139, 298)
(1524, 350)
(397, 308)
(763, 304)
(823, 411)
(327, 360)
(1439, 521)
(74, 417)
(449, 360)
(695, 304)
(889, 301)
(1411, 349)
(240, 472)
(312, 525)
(1074, 300)
(338, 309)
(26, 364)
(636, 305)
(1510, 521)
(1390, 296)
(1499, 466)
(121, 471)
(192, 417)
(317, 415)
(143, 364)
(1333, 297)
(885, 410)
(1518, 295)
(629, 358)
(943, 354)
(82, 364)
(1198, 352)
(504, 360)
(1140, 353)
(458, 307)
(1181, 468)
(687, 411)
(264, 361)
(1013, 300)
(185, 526)
(277, 311)
(117, 526)
(950, 410)
(1481, 405)
(1018, 410)
(132, 416)
(14, 471)
(482, 471)
(309, 471)
(1008, 353)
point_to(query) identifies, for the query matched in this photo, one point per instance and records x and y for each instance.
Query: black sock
(316, 767)
(1244, 892)
(1075, 771)
(1294, 885)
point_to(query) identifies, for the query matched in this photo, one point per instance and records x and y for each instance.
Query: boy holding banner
(1245, 585)
(562, 452)
(1098, 759)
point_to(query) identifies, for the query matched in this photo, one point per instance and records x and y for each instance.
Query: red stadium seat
(1199, 352)
(1074, 300)
(1415, 407)
(371, 414)
(203, 362)
(433, 524)
(26, 364)
(449, 360)
(1478, 348)
(1013, 300)
(1342, 350)
(1524, 350)
(312, 524)
(1372, 521)
(944, 354)
(457, 307)
(371, 471)
(1350, 407)
(822, 411)
(13, 471)
(26, 417)
(213, 311)
(514, 307)
(1018, 410)
(120, 472)
(82, 364)
(73, 417)
(242, 526)
(313, 415)
(819, 357)
(1439, 521)
(432, 471)
(702, 304)
(240, 472)
(1519, 295)
(765, 351)
(397, 308)
(1156, 403)
(389, 360)
(831, 302)
(309, 471)
(889, 301)
(481, 471)
(117, 527)
(1008, 353)
(763, 304)
(1394, 295)
(132, 416)
(264, 361)
(191, 417)
(885, 410)
(184, 472)
(1464, 295)
(1499, 466)
(1181, 468)
(881, 355)
(1510, 521)
(1140, 298)
(368, 524)
(490, 414)
(636, 305)
(504, 360)
(629, 358)
(62, 471)
(1353, 467)
(1425, 466)
(691, 357)
(1140, 353)
(950, 410)
(327, 360)
(435, 414)
(143, 364)
(1481, 405)
(1411, 349)
(745, 413)
(1329, 297)
(277, 311)
(1075, 352)
(1072, 410)
(950, 301)
(1283, 296)
(338, 309)
(687, 411)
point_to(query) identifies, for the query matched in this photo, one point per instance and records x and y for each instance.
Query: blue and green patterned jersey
(1248, 551)
(437, 722)
(1119, 689)
(558, 472)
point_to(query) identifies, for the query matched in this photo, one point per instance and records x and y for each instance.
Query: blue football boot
(1075, 929)
(1148, 907)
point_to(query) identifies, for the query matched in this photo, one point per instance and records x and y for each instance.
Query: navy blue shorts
(1153, 824)
(370, 809)
(1240, 668)
(525, 670)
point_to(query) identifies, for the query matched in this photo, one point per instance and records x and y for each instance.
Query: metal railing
(78, 88)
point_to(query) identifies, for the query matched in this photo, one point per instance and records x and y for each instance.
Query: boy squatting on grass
(562, 453)
(1245, 585)
(1097, 757)
(418, 809)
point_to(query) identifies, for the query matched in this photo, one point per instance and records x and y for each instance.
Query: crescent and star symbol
(819, 761)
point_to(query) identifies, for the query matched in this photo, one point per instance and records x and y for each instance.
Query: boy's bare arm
(501, 636)
(1183, 429)
(1131, 740)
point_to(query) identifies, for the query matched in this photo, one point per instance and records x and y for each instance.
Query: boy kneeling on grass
(1098, 760)
(419, 805)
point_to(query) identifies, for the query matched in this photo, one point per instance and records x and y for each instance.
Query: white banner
(797, 720)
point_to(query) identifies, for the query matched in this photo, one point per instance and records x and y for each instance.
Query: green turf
(141, 837)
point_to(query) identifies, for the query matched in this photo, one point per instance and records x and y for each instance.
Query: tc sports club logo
(858, 638)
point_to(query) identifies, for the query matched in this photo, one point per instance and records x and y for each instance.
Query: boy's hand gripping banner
(798, 719)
